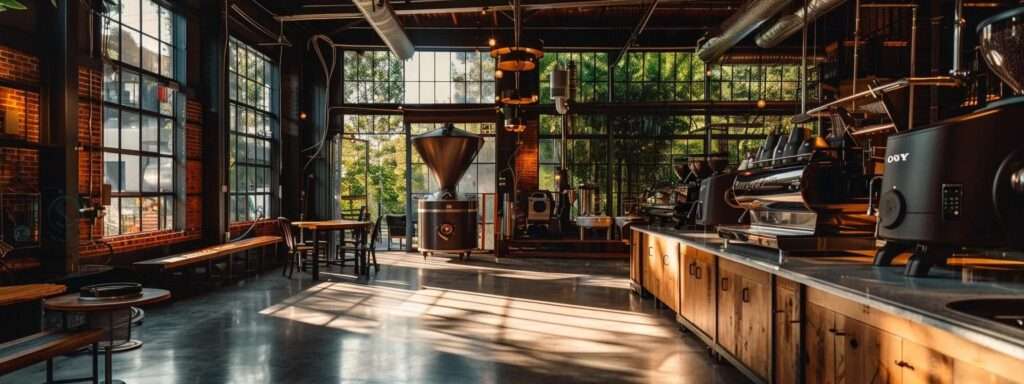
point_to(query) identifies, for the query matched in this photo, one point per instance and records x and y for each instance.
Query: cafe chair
(396, 229)
(296, 252)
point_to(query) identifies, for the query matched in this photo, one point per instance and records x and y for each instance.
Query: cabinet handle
(853, 343)
(664, 259)
(689, 268)
(699, 272)
(904, 364)
(745, 295)
(724, 284)
(836, 332)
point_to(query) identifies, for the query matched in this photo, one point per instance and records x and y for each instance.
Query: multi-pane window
(586, 152)
(372, 164)
(143, 115)
(252, 124)
(744, 82)
(426, 78)
(591, 74)
(658, 76)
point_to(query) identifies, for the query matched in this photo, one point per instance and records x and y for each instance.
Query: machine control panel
(952, 200)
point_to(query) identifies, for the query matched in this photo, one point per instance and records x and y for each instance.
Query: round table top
(72, 303)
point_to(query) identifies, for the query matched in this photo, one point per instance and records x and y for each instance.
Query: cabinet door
(819, 344)
(922, 365)
(787, 331)
(670, 273)
(865, 354)
(637, 250)
(704, 279)
(652, 266)
(728, 306)
(964, 372)
(752, 341)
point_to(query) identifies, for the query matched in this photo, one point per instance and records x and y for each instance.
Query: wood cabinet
(819, 344)
(786, 327)
(744, 308)
(661, 270)
(922, 365)
(699, 278)
(637, 252)
(844, 350)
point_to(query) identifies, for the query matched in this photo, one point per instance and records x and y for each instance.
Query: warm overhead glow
(761, 103)
(302, 115)
(492, 42)
(517, 59)
(498, 74)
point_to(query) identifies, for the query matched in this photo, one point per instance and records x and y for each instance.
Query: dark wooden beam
(214, 99)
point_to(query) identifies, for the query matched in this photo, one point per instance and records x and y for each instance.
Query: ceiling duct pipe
(742, 23)
(383, 20)
(791, 24)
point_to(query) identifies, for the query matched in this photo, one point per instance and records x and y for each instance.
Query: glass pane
(166, 174)
(111, 39)
(110, 84)
(166, 136)
(130, 215)
(166, 61)
(150, 140)
(130, 173)
(112, 220)
(165, 97)
(130, 88)
(150, 54)
(130, 130)
(131, 42)
(168, 208)
(166, 24)
(111, 125)
(150, 174)
(131, 10)
(112, 169)
(151, 213)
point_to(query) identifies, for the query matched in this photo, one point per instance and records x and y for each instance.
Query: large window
(252, 125)
(591, 74)
(426, 78)
(659, 76)
(773, 82)
(143, 115)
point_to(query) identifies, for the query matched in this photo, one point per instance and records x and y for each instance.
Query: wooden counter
(824, 320)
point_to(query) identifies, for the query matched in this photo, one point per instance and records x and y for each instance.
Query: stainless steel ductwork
(787, 25)
(742, 23)
(383, 20)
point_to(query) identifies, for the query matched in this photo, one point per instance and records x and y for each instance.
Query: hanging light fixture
(515, 123)
(515, 97)
(519, 57)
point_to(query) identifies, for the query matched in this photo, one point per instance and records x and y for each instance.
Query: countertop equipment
(716, 204)
(959, 183)
(807, 196)
(673, 202)
(447, 222)
(540, 205)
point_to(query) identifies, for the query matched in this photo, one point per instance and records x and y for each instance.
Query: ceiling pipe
(640, 26)
(793, 23)
(745, 21)
(383, 20)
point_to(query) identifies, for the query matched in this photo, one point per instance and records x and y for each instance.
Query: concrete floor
(435, 321)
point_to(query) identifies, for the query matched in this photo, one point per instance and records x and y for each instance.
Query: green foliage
(14, 5)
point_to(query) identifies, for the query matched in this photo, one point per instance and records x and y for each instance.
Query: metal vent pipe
(791, 24)
(746, 20)
(383, 20)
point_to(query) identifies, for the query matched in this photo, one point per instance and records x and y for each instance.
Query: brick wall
(527, 160)
(19, 167)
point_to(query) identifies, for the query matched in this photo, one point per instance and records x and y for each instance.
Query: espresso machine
(447, 222)
(673, 203)
(716, 204)
(959, 183)
(805, 194)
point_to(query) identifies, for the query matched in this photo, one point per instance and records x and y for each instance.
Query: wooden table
(29, 292)
(327, 225)
(71, 302)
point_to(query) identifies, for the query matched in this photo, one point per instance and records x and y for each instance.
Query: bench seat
(206, 254)
(44, 346)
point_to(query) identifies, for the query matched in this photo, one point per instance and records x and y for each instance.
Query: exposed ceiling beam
(477, 6)
(636, 33)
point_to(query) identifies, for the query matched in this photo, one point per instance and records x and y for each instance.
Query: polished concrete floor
(416, 321)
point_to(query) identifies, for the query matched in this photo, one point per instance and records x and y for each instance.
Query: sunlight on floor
(534, 334)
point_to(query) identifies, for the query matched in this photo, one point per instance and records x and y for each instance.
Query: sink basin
(1005, 311)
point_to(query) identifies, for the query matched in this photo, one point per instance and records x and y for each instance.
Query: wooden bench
(45, 346)
(207, 256)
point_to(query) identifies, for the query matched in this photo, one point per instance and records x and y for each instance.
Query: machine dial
(445, 231)
(891, 208)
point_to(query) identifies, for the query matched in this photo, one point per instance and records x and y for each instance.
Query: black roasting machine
(671, 203)
(447, 221)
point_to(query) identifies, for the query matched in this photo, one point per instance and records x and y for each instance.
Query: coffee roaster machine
(959, 183)
(805, 194)
(447, 221)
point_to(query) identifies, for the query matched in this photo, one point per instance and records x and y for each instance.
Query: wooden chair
(295, 251)
(396, 229)
(371, 245)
